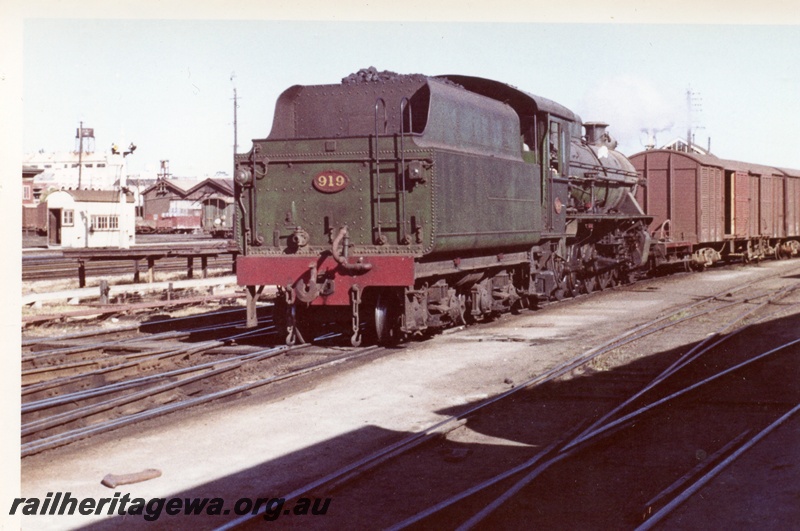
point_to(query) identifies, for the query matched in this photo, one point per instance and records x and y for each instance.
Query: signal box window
(105, 222)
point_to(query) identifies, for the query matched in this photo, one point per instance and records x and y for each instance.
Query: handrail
(377, 187)
(404, 104)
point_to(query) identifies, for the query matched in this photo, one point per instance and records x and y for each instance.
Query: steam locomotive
(398, 205)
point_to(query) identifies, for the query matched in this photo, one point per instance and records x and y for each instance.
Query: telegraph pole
(80, 154)
(235, 124)
(689, 119)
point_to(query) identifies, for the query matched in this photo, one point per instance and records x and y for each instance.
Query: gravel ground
(267, 444)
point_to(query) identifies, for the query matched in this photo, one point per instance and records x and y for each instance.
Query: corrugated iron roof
(222, 185)
(180, 186)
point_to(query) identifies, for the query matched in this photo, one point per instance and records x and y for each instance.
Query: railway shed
(166, 207)
(216, 199)
(180, 205)
(90, 218)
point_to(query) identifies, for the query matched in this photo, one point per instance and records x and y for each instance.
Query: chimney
(595, 131)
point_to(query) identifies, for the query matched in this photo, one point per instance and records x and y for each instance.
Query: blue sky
(166, 84)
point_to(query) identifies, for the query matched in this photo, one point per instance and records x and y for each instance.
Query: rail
(356, 469)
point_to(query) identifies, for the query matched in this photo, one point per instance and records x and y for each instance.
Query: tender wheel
(385, 322)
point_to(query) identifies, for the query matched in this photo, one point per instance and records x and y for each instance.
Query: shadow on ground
(605, 486)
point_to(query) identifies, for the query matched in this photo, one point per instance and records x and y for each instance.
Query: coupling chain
(355, 302)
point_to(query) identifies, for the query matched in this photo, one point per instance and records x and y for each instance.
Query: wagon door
(767, 206)
(709, 208)
(791, 199)
(741, 204)
(778, 205)
(755, 201)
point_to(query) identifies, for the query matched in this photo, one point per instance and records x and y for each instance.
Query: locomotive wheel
(590, 281)
(573, 277)
(605, 279)
(573, 285)
(589, 276)
(563, 287)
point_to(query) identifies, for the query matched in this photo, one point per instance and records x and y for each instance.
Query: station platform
(151, 254)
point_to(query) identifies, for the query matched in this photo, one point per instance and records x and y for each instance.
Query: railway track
(692, 484)
(669, 413)
(641, 394)
(85, 384)
(69, 406)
